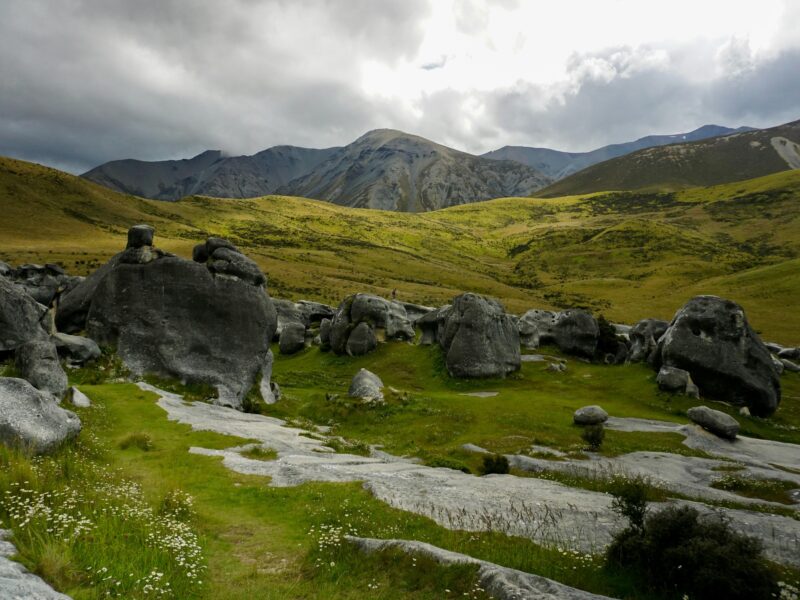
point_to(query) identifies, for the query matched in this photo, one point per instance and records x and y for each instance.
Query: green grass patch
(774, 490)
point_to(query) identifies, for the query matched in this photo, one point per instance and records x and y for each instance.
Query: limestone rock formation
(37, 362)
(678, 381)
(77, 349)
(367, 386)
(712, 340)
(292, 338)
(20, 317)
(31, 419)
(572, 331)
(644, 338)
(590, 415)
(199, 322)
(479, 339)
(362, 317)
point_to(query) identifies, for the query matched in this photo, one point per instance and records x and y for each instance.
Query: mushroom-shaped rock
(717, 422)
(293, 338)
(479, 338)
(140, 235)
(366, 386)
(361, 341)
(37, 362)
(590, 415)
(31, 419)
(77, 349)
(712, 340)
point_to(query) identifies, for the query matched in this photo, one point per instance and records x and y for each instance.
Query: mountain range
(391, 170)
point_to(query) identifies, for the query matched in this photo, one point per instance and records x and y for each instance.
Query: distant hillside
(209, 173)
(557, 164)
(627, 255)
(392, 170)
(712, 161)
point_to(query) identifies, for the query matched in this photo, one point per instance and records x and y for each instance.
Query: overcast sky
(86, 81)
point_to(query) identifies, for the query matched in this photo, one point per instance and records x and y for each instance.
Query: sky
(87, 81)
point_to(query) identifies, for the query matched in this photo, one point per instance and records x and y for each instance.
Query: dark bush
(594, 435)
(679, 552)
(494, 463)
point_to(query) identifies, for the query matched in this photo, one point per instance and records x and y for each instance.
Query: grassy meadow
(627, 255)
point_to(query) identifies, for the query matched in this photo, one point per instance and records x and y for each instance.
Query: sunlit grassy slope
(626, 254)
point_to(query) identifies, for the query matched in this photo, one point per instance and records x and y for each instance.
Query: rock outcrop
(715, 421)
(644, 338)
(292, 338)
(31, 419)
(677, 381)
(364, 317)
(572, 331)
(41, 282)
(76, 349)
(198, 322)
(20, 317)
(712, 340)
(37, 362)
(478, 337)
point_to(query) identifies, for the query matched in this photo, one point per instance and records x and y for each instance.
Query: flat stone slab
(16, 582)
(501, 582)
(544, 511)
(480, 394)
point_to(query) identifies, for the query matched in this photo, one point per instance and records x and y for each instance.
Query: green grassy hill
(714, 161)
(628, 255)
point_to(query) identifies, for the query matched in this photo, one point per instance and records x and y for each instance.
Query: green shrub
(448, 463)
(630, 498)
(594, 436)
(679, 552)
(494, 463)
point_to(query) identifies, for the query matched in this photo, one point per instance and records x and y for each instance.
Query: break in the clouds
(85, 81)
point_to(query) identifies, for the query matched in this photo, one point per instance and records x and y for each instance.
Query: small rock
(744, 411)
(718, 423)
(366, 386)
(76, 348)
(140, 235)
(293, 338)
(590, 415)
(778, 364)
(790, 353)
(672, 379)
(38, 363)
(556, 367)
(790, 366)
(78, 398)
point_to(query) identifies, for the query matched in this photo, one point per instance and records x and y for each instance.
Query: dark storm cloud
(85, 81)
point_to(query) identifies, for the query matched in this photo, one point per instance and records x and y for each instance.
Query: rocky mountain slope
(392, 170)
(729, 158)
(210, 173)
(557, 164)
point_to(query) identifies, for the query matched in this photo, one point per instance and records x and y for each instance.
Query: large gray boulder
(479, 338)
(715, 421)
(325, 335)
(572, 331)
(41, 282)
(712, 340)
(37, 362)
(20, 317)
(75, 348)
(313, 312)
(31, 419)
(192, 321)
(360, 312)
(644, 338)
(293, 338)
(431, 324)
(287, 312)
(366, 386)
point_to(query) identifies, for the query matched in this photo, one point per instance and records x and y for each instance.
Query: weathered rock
(325, 335)
(287, 312)
(431, 324)
(366, 386)
(789, 353)
(778, 364)
(773, 347)
(78, 398)
(313, 312)
(5, 269)
(31, 419)
(140, 235)
(77, 349)
(293, 338)
(671, 379)
(16, 582)
(215, 243)
(556, 367)
(37, 362)
(199, 253)
(590, 415)
(644, 338)
(41, 282)
(373, 313)
(718, 423)
(416, 311)
(178, 318)
(479, 338)
(20, 317)
(361, 341)
(712, 340)
(572, 331)
(225, 261)
(790, 366)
